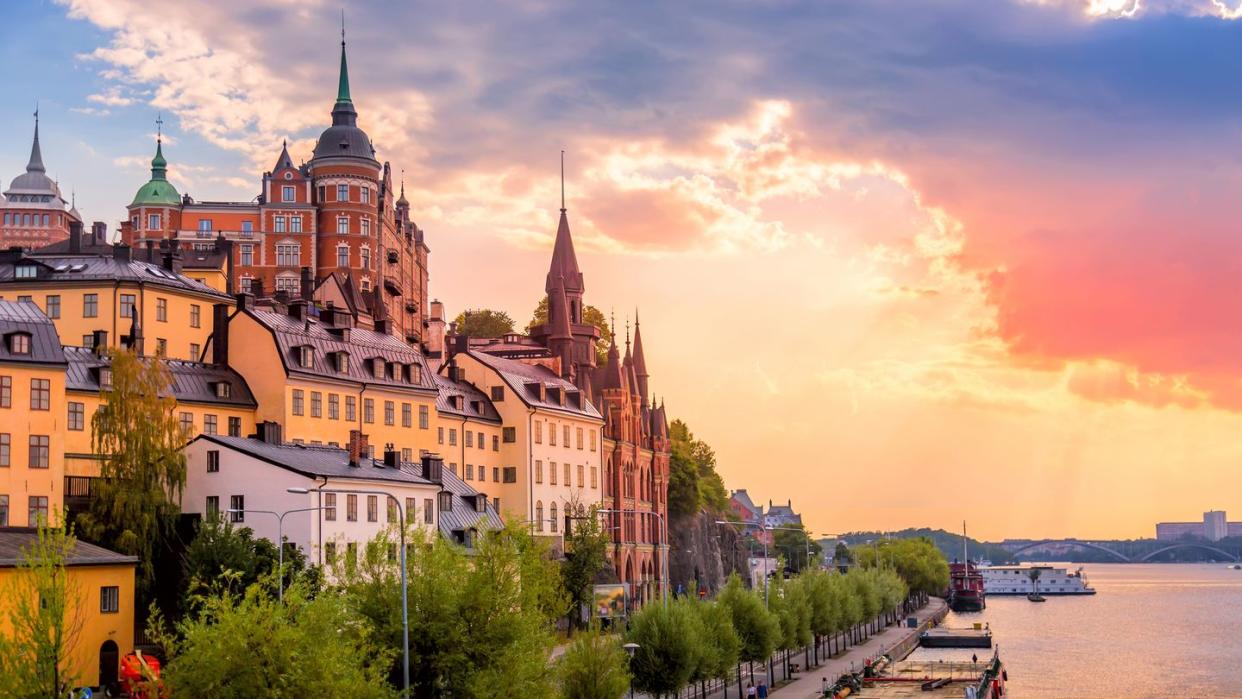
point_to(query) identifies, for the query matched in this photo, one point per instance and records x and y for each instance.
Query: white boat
(1016, 580)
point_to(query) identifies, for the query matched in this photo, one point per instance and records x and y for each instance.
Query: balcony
(393, 257)
(411, 307)
(392, 286)
(78, 492)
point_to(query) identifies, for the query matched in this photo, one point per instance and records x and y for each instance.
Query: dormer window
(340, 361)
(306, 356)
(26, 271)
(480, 503)
(223, 389)
(456, 402)
(378, 368)
(477, 407)
(105, 378)
(414, 373)
(19, 343)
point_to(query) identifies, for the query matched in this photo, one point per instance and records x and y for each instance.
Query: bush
(594, 667)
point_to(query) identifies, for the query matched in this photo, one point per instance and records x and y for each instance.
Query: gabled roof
(283, 161)
(469, 395)
(192, 382)
(520, 377)
(27, 318)
(741, 497)
(564, 261)
(313, 461)
(83, 267)
(16, 541)
(463, 516)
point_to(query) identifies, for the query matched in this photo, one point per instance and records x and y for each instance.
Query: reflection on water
(1153, 630)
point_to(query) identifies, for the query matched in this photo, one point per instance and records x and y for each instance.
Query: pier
(944, 637)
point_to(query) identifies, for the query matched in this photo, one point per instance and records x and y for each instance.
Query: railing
(78, 486)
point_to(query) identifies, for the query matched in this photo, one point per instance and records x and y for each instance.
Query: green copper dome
(159, 191)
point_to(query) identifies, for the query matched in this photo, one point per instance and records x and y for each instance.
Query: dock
(927, 678)
(943, 637)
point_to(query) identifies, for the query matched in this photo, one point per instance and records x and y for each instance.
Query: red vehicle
(140, 676)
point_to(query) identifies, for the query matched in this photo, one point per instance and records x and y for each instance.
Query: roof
(463, 515)
(519, 375)
(313, 461)
(470, 396)
(344, 138)
(34, 181)
(564, 261)
(158, 190)
(192, 382)
(362, 346)
(15, 541)
(85, 267)
(742, 498)
(27, 318)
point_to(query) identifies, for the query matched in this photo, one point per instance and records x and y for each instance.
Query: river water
(1153, 630)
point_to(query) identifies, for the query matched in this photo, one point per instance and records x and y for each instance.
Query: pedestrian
(974, 658)
(750, 689)
(763, 690)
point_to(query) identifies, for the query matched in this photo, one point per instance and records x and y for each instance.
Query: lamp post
(664, 581)
(280, 541)
(405, 613)
(630, 648)
(764, 526)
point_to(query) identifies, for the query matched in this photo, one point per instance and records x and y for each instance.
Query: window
(366, 227)
(510, 435)
(288, 255)
(379, 368)
(287, 193)
(153, 222)
(481, 441)
(567, 483)
(211, 509)
(204, 224)
(498, 393)
(161, 310)
(329, 552)
(469, 438)
(196, 351)
(552, 517)
(390, 413)
(334, 406)
(247, 256)
(593, 435)
(209, 424)
(510, 474)
(538, 515)
(407, 415)
(368, 410)
(237, 507)
(90, 305)
(428, 511)
(5, 443)
(342, 192)
(127, 305)
(77, 416)
(372, 508)
(234, 426)
(581, 476)
(295, 224)
(297, 401)
(196, 316)
(53, 306)
(213, 461)
(109, 599)
(579, 440)
(495, 442)
(342, 225)
(407, 454)
(552, 434)
(392, 509)
(538, 471)
(351, 508)
(36, 510)
(552, 472)
(495, 474)
(594, 476)
(342, 256)
(365, 252)
(351, 554)
(161, 347)
(329, 507)
(452, 437)
(351, 408)
(366, 194)
(439, 435)
(470, 472)
(538, 431)
(446, 501)
(40, 394)
(187, 423)
(279, 224)
(424, 417)
(247, 226)
(565, 431)
(6, 391)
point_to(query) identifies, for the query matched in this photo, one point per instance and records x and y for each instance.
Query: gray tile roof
(27, 318)
(312, 460)
(363, 346)
(469, 398)
(193, 382)
(519, 376)
(463, 515)
(14, 541)
(68, 268)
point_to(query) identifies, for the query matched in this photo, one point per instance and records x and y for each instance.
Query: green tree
(918, 561)
(483, 322)
(794, 543)
(670, 646)
(694, 484)
(218, 548)
(137, 436)
(721, 644)
(595, 666)
(254, 646)
(586, 554)
(45, 619)
(590, 315)
(758, 630)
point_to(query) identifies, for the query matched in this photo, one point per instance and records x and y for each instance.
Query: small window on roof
(223, 389)
(306, 356)
(26, 271)
(105, 377)
(19, 343)
(379, 367)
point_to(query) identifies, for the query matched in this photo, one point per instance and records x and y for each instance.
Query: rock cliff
(703, 553)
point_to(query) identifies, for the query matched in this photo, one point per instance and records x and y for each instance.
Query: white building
(247, 478)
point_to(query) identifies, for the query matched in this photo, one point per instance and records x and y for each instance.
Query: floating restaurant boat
(1052, 580)
(966, 588)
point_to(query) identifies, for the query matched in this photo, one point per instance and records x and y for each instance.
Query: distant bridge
(1107, 547)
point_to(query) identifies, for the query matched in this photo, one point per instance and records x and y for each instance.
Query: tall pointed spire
(342, 87)
(640, 362)
(564, 261)
(283, 161)
(562, 182)
(558, 312)
(36, 154)
(159, 166)
(612, 370)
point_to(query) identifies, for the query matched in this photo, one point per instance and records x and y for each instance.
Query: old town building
(338, 214)
(33, 212)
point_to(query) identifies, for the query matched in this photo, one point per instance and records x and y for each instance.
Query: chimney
(383, 326)
(220, 334)
(392, 457)
(121, 252)
(151, 251)
(172, 259)
(433, 468)
(269, 432)
(298, 309)
(99, 342)
(75, 237)
(99, 233)
(256, 287)
(357, 447)
(307, 284)
(245, 302)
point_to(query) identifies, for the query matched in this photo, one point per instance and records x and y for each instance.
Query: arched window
(539, 515)
(552, 516)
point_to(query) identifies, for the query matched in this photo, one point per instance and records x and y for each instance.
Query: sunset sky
(904, 263)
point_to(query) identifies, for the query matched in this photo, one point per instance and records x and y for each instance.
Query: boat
(1236, 566)
(966, 590)
(1036, 597)
(1016, 580)
(925, 679)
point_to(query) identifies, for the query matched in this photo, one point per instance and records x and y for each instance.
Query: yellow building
(83, 290)
(101, 616)
(318, 376)
(32, 417)
(469, 436)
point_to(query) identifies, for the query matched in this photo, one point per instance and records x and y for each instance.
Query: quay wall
(906, 646)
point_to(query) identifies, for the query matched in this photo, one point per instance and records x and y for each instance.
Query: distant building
(782, 515)
(33, 212)
(1214, 527)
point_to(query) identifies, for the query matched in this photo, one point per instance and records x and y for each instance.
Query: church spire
(640, 362)
(564, 261)
(612, 370)
(36, 154)
(342, 88)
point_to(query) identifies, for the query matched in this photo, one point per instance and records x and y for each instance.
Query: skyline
(905, 251)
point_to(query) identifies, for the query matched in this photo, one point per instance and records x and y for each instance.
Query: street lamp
(763, 525)
(280, 541)
(405, 613)
(630, 648)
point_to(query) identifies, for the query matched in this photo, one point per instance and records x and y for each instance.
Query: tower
(34, 211)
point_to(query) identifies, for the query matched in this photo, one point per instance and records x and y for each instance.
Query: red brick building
(336, 215)
(33, 213)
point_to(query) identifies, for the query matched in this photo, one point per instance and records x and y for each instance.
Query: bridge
(1111, 548)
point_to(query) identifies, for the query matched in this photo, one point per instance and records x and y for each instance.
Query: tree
(590, 315)
(670, 646)
(794, 546)
(841, 555)
(594, 667)
(720, 642)
(757, 630)
(137, 436)
(45, 619)
(255, 646)
(586, 554)
(918, 561)
(483, 322)
(219, 548)
(694, 484)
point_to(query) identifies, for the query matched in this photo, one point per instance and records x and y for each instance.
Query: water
(1153, 630)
